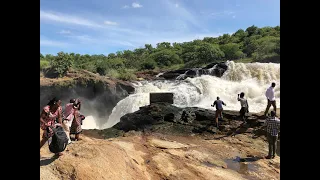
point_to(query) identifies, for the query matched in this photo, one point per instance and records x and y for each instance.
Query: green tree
(232, 51)
(267, 47)
(250, 44)
(225, 39)
(240, 35)
(148, 64)
(61, 63)
(166, 57)
(209, 52)
(149, 48)
(252, 30)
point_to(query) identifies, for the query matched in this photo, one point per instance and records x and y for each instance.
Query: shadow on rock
(47, 161)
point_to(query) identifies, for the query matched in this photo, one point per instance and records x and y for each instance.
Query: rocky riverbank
(161, 141)
(169, 119)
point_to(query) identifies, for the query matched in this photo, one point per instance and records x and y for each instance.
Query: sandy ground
(158, 156)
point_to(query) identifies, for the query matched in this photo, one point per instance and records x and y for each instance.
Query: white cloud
(65, 32)
(83, 38)
(222, 14)
(136, 5)
(125, 7)
(79, 21)
(68, 19)
(177, 5)
(51, 43)
(102, 40)
(110, 23)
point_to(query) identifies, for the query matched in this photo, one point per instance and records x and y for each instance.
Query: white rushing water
(89, 123)
(253, 79)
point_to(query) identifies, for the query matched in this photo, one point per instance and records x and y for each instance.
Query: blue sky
(106, 26)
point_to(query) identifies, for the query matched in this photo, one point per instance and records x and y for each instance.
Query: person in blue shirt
(218, 103)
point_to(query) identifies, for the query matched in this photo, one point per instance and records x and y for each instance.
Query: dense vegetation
(252, 44)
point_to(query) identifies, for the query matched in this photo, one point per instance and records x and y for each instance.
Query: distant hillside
(252, 44)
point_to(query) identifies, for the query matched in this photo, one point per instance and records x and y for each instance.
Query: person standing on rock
(49, 115)
(68, 116)
(271, 99)
(244, 106)
(77, 120)
(273, 128)
(218, 103)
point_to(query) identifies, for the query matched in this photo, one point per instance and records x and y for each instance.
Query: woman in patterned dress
(48, 116)
(76, 123)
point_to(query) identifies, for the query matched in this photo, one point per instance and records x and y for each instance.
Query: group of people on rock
(272, 123)
(69, 118)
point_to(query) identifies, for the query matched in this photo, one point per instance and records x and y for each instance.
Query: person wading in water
(49, 114)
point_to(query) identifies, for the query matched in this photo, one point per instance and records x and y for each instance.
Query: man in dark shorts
(218, 103)
(273, 128)
(271, 99)
(244, 106)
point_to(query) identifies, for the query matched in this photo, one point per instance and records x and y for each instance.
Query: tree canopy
(254, 43)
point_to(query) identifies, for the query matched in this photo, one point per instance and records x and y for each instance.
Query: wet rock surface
(213, 69)
(166, 118)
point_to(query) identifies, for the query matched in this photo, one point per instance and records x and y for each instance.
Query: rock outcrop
(169, 119)
(213, 69)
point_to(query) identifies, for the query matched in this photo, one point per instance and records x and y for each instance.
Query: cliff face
(100, 94)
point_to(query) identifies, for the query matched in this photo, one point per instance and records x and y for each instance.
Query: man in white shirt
(271, 99)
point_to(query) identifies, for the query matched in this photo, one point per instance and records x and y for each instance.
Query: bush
(149, 64)
(61, 63)
(112, 73)
(44, 65)
(127, 75)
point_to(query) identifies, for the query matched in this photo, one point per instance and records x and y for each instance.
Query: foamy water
(253, 79)
(89, 123)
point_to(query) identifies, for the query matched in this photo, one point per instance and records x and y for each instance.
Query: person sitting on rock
(49, 115)
(244, 106)
(77, 120)
(218, 103)
(273, 128)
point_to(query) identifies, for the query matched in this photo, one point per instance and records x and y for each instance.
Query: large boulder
(170, 119)
(213, 69)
